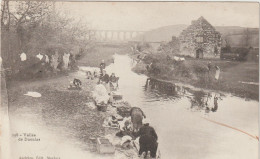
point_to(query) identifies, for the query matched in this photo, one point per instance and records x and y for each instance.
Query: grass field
(236, 76)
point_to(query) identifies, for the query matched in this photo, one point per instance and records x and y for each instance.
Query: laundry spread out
(33, 94)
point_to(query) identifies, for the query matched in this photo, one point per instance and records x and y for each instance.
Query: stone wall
(200, 38)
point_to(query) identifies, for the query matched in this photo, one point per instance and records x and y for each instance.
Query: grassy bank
(195, 72)
(69, 113)
(102, 52)
(64, 110)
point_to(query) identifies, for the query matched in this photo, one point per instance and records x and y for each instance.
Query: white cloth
(182, 59)
(54, 61)
(176, 58)
(39, 56)
(66, 58)
(89, 69)
(217, 73)
(23, 56)
(33, 94)
(100, 94)
(47, 59)
(122, 123)
(125, 139)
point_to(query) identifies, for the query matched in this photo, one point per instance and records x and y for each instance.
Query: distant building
(200, 40)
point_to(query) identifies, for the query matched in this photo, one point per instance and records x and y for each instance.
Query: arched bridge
(114, 35)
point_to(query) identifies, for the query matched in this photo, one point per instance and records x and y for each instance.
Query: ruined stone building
(200, 40)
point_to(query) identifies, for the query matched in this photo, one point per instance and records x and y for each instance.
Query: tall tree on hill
(247, 37)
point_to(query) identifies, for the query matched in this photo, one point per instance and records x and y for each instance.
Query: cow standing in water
(137, 117)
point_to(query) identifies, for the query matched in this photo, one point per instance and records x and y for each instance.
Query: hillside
(161, 34)
(234, 34)
(237, 35)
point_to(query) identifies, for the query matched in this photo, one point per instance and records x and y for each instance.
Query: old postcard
(129, 80)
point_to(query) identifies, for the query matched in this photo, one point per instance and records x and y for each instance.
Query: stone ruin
(200, 40)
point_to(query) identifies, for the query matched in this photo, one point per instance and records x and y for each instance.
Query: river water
(182, 121)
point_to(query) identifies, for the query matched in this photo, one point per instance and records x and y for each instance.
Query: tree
(172, 47)
(37, 27)
(247, 38)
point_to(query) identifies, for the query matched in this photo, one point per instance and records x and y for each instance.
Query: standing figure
(215, 108)
(217, 73)
(137, 116)
(148, 140)
(113, 81)
(105, 81)
(102, 66)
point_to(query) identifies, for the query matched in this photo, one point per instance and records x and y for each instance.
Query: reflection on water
(176, 112)
(200, 100)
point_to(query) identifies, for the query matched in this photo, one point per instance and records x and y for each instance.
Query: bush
(242, 53)
(170, 69)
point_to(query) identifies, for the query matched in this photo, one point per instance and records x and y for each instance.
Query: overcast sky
(150, 15)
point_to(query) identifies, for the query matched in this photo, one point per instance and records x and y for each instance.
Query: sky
(144, 16)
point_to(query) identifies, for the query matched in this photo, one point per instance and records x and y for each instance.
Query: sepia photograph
(129, 80)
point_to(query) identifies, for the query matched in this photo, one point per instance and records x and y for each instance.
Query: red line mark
(255, 137)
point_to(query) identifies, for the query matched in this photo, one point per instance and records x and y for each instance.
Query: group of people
(139, 124)
(140, 127)
(109, 81)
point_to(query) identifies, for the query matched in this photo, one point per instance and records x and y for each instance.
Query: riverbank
(65, 110)
(238, 78)
(70, 114)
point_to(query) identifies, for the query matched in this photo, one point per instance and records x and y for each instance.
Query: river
(185, 128)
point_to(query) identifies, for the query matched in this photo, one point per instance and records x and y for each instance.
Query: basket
(104, 146)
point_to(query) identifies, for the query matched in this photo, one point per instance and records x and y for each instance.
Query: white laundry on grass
(100, 94)
(89, 69)
(39, 56)
(33, 94)
(176, 58)
(122, 123)
(47, 60)
(54, 61)
(217, 73)
(125, 138)
(66, 59)
(23, 56)
(252, 83)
